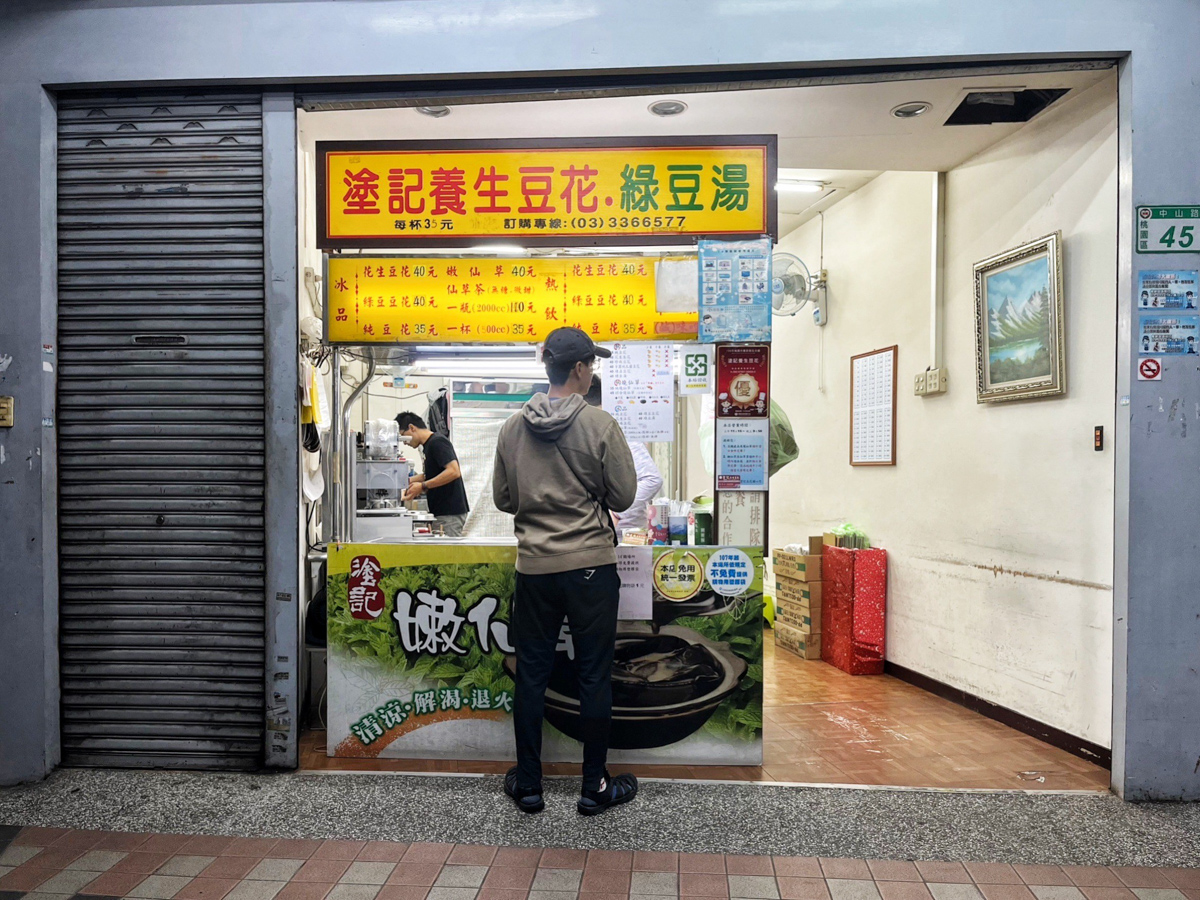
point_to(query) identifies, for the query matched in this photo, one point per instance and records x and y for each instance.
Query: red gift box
(853, 613)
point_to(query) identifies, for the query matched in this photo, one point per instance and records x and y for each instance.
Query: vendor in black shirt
(442, 481)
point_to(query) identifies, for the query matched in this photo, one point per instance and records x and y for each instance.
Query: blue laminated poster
(1169, 336)
(735, 290)
(1167, 290)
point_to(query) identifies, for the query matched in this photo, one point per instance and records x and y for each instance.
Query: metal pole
(347, 451)
(333, 479)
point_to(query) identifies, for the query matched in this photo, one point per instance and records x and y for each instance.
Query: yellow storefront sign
(549, 192)
(469, 300)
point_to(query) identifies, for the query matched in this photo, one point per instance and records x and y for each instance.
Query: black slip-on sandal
(614, 792)
(527, 801)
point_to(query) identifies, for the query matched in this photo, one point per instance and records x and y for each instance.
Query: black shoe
(614, 792)
(527, 801)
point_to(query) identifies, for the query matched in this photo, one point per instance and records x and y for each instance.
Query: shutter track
(161, 430)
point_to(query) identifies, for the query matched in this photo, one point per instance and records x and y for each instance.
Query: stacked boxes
(798, 590)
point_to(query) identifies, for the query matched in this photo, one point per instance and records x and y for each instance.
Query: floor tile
(56, 857)
(427, 853)
(703, 884)
(511, 878)
(471, 855)
(1047, 875)
(423, 874)
(1005, 892)
(749, 865)
(610, 859)
(893, 870)
(304, 890)
(752, 887)
(38, 837)
(802, 888)
(852, 889)
(943, 872)
(15, 855)
(563, 858)
(339, 849)
(522, 857)
(160, 887)
(275, 870)
(553, 895)
(185, 865)
(294, 849)
(648, 861)
(708, 863)
(405, 892)
(206, 845)
(461, 876)
(657, 883)
(114, 884)
(322, 871)
(1108, 893)
(43, 895)
(605, 881)
(235, 867)
(354, 892)
(495, 893)
(451, 893)
(557, 880)
(1142, 893)
(1091, 876)
(141, 861)
(165, 843)
(1186, 879)
(256, 890)
(942, 891)
(907, 890)
(368, 873)
(992, 873)
(206, 889)
(4, 870)
(845, 869)
(97, 860)
(66, 882)
(797, 866)
(258, 848)
(1055, 892)
(382, 851)
(1141, 877)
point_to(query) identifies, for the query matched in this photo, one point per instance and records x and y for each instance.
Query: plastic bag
(782, 448)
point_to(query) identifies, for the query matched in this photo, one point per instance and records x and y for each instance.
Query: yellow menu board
(548, 192)
(464, 300)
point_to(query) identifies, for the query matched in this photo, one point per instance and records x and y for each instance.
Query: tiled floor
(823, 726)
(60, 864)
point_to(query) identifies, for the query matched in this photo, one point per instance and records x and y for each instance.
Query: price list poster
(873, 408)
(639, 390)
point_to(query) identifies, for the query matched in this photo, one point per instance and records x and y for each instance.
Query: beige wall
(998, 519)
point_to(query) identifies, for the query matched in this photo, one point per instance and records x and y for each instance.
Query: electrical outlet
(6, 412)
(933, 381)
(919, 384)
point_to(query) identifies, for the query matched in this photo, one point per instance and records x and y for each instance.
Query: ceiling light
(800, 187)
(912, 110)
(667, 108)
(436, 112)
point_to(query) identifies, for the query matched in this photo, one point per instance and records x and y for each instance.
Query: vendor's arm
(649, 483)
(451, 473)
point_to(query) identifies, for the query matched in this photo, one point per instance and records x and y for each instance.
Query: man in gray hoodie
(561, 466)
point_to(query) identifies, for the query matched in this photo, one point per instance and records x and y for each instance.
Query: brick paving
(69, 864)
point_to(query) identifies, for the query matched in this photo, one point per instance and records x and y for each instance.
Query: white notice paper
(873, 408)
(635, 565)
(639, 390)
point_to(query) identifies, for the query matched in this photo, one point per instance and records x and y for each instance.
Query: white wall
(998, 519)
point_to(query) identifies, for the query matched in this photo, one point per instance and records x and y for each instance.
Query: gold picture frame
(1020, 348)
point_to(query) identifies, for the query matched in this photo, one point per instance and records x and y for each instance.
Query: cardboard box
(829, 539)
(806, 646)
(816, 545)
(806, 592)
(796, 566)
(808, 621)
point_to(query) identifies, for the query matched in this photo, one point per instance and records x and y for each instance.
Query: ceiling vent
(990, 107)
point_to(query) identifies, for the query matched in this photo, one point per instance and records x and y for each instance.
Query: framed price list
(873, 408)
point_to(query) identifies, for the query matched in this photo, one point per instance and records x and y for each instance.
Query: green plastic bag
(782, 449)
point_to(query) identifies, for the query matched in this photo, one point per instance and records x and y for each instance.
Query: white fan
(791, 284)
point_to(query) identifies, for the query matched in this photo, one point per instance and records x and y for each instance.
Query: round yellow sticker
(678, 575)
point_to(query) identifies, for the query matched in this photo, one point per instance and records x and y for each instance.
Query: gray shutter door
(161, 427)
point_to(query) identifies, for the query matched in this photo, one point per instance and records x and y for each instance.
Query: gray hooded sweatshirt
(557, 463)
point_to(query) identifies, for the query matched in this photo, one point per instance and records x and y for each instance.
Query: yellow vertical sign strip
(448, 300)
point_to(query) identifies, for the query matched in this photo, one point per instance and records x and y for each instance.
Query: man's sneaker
(613, 792)
(527, 801)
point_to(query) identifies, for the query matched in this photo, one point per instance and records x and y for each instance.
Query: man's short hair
(595, 394)
(559, 372)
(405, 419)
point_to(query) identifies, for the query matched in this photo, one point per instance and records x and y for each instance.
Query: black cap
(569, 346)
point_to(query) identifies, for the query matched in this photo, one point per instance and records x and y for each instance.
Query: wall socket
(931, 381)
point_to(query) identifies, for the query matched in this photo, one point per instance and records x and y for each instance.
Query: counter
(420, 664)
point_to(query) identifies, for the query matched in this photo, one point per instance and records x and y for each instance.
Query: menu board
(873, 408)
(735, 290)
(471, 300)
(639, 390)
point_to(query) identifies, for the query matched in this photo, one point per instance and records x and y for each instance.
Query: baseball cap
(570, 345)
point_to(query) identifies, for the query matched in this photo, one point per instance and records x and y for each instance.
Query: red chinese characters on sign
(362, 192)
(364, 595)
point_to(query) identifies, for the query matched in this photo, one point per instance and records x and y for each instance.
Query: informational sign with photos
(735, 290)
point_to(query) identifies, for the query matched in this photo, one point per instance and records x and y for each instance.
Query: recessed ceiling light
(436, 112)
(912, 110)
(800, 187)
(667, 107)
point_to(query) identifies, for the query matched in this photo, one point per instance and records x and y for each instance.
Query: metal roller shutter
(161, 430)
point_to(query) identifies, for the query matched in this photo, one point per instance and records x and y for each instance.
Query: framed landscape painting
(1019, 345)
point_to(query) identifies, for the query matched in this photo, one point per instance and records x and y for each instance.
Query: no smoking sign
(1150, 369)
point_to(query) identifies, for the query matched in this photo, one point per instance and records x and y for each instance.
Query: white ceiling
(842, 133)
